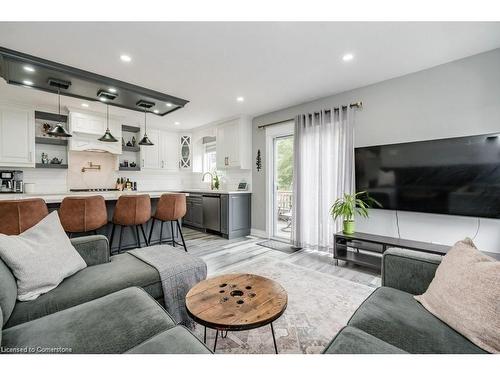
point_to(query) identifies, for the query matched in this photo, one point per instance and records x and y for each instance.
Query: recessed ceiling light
(112, 89)
(348, 57)
(177, 123)
(85, 105)
(29, 68)
(125, 58)
(169, 104)
(102, 99)
(156, 111)
(28, 82)
(240, 99)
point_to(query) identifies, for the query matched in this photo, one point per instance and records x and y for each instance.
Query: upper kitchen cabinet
(87, 128)
(164, 154)
(17, 137)
(185, 152)
(234, 143)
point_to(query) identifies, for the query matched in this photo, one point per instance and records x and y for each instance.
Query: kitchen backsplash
(60, 181)
(105, 177)
(229, 179)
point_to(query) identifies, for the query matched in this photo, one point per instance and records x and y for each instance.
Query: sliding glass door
(282, 186)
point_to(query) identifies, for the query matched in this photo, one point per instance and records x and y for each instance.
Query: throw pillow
(40, 258)
(465, 294)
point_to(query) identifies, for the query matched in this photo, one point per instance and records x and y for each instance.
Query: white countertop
(202, 191)
(109, 195)
(58, 197)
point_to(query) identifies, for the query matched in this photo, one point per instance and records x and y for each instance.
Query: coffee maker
(11, 182)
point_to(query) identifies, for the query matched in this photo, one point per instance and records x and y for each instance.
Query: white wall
(455, 99)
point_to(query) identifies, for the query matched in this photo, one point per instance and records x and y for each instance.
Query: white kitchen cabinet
(87, 123)
(234, 141)
(151, 158)
(164, 154)
(86, 129)
(17, 137)
(170, 151)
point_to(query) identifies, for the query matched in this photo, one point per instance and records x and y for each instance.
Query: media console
(366, 249)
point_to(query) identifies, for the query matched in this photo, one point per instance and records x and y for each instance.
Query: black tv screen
(456, 176)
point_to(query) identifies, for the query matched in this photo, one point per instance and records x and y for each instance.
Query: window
(209, 157)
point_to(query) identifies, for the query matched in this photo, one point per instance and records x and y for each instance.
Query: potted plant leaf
(351, 205)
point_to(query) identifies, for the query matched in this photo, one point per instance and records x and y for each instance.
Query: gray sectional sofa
(112, 306)
(391, 321)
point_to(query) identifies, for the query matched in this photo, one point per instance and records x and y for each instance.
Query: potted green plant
(351, 205)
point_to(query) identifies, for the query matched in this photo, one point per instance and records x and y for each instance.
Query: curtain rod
(352, 105)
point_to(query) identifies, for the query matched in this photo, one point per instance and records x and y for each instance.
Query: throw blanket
(179, 271)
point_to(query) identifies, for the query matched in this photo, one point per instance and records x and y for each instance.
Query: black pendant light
(107, 137)
(59, 130)
(145, 141)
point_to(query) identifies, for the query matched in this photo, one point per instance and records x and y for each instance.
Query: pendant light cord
(107, 117)
(145, 126)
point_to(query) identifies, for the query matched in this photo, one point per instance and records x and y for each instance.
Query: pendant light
(59, 130)
(145, 140)
(107, 137)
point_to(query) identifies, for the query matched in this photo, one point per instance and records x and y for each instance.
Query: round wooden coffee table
(236, 302)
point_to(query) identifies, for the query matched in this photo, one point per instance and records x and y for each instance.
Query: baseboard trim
(258, 233)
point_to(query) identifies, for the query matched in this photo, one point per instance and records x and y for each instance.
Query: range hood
(21, 69)
(88, 126)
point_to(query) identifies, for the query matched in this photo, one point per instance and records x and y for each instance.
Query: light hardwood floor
(222, 255)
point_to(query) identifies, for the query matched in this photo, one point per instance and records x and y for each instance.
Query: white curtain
(323, 171)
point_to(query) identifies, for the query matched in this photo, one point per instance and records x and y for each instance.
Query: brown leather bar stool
(171, 207)
(83, 214)
(18, 215)
(131, 211)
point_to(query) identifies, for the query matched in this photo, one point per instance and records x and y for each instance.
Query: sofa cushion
(40, 258)
(398, 319)
(121, 272)
(351, 340)
(111, 324)
(465, 294)
(8, 291)
(177, 340)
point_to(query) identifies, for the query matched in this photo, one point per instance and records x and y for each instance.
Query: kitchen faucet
(211, 179)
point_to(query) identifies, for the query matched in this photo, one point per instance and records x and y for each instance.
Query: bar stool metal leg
(144, 234)
(138, 239)
(182, 237)
(172, 232)
(151, 230)
(120, 242)
(161, 231)
(111, 238)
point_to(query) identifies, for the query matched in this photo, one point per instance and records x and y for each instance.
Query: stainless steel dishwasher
(211, 212)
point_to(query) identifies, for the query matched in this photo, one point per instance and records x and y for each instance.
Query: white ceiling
(273, 65)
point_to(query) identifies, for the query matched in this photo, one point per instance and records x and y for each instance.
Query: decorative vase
(348, 226)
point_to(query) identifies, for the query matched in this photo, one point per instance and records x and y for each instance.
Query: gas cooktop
(97, 189)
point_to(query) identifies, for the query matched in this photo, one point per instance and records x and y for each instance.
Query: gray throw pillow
(40, 258)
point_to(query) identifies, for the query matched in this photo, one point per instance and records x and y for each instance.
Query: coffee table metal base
(222, 335)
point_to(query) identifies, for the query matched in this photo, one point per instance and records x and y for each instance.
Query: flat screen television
(455, 176)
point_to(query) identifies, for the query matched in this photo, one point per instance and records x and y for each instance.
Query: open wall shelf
(51, 141)
(130, 153)
(51, 166)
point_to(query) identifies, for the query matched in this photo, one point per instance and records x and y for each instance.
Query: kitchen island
(129, 240)
(222, 212)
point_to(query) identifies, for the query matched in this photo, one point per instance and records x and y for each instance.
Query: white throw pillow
(40, 258)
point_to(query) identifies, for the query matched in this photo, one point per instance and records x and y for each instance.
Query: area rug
(319, 305)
